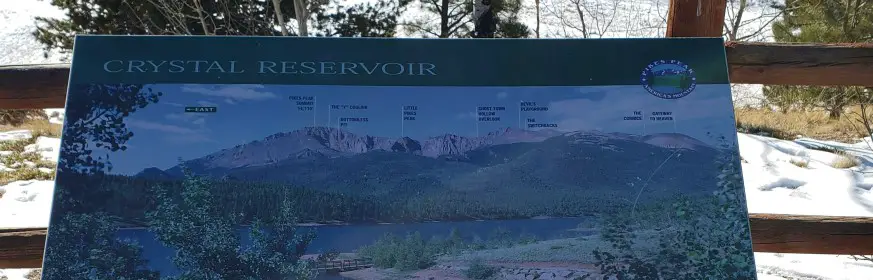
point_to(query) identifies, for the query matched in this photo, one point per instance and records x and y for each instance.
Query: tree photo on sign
(84, 242)
(83, 234)
(684, 231)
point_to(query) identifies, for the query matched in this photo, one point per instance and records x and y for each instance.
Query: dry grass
(19, 116)
(788, 126)
(27, 165)
(814, 124)
(799, 163)
(37, 128)
(35, 274)
(845, 160)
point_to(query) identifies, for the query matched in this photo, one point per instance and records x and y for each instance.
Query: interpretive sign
(327, 158)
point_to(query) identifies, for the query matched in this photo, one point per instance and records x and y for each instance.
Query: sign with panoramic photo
(325, 158)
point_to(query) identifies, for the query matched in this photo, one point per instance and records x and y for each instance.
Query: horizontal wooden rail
(44, 85)
(812, 234)
(23, 248)
(36, 86)
(800, 64)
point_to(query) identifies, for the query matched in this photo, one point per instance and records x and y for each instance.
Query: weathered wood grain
(22, 248)
(36, 86)
(812, 234)
(800, 64)
(696, 18)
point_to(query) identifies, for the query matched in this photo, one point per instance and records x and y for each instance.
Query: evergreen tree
(94, 120)
(84, 246)
(277, 251)
(211, 17)
(82, 243)
(825, 21)
(821, 21)
(379, 19)
(208, 243)
(159, 17)
(453, 18)
(705, 238)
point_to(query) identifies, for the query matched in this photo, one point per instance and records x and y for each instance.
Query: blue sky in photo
(164, 132)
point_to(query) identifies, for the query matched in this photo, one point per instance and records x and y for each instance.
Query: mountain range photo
(507, 163)
(420, 153)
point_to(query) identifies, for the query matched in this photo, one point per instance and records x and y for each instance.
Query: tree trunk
(302, 16)
(732, 34)
(581, 18)
(278, 9)
(444, 19)
(537, 3)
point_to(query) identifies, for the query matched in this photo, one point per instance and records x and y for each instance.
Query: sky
(245, 113)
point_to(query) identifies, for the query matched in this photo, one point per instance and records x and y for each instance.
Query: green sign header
(377, 61)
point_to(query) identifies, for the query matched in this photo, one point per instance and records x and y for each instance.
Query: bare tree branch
(199, 8)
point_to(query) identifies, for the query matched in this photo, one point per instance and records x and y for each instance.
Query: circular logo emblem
(668, 79)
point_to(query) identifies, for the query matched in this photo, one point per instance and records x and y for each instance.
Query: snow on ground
(56, 116)
(811, 267)
(28, 203)
(775, 184)
(25, 204)
(47, 147)
(11, 136)
(14, 274)
(15, 135)
(17, 45)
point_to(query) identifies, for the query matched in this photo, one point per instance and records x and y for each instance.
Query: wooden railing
(44, 86)
(22, 248)
(343, 265)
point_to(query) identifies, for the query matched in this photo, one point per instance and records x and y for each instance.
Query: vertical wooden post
(696, 18)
